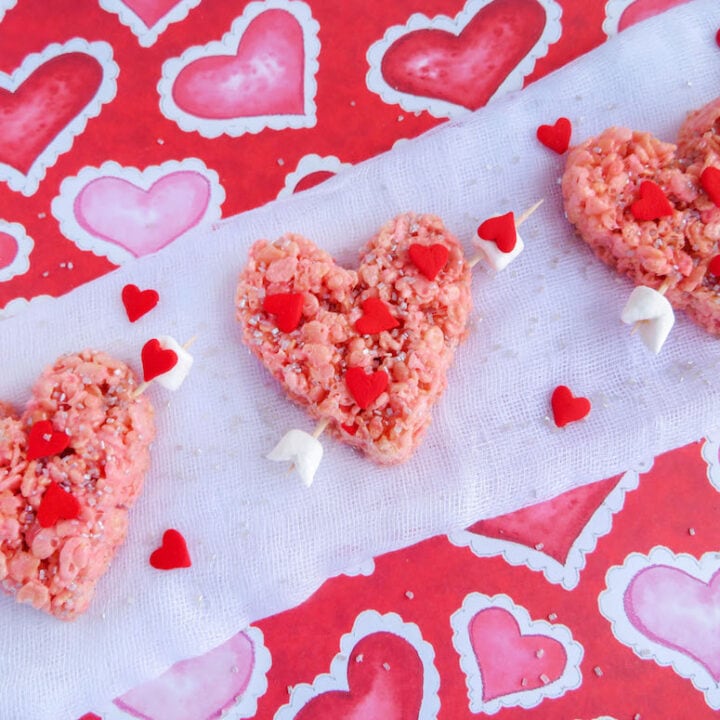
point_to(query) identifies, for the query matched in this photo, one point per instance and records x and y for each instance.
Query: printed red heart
(429, 259)
(710, 183)
(312, 179)
(376, 317)
(652, 204)
(232, 86)
(366, 388)
(557, 136)
(674, 251)
(640, 10)
(156, 360)
(500, 230)
(566, 407)
(172, 553)
(465, 69)
(499, 645)
(57, 544)
(384, 681)
(287, 309)
(51, 97)
(138, 302)
(44, 440)
(408, 363)
(57, 504)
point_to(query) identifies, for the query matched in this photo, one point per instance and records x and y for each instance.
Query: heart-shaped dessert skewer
(64, 505)
(650, 210)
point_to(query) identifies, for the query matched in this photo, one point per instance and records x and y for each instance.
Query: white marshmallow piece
(303, 450)
(496, 258)
(652, 315)
(173, 378)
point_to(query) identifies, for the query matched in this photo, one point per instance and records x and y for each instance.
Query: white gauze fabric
(261, 541)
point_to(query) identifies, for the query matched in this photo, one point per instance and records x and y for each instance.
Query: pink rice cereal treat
(372, 346)
(50, 559)
(602, 182)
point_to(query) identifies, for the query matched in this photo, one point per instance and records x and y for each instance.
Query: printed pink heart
(264, 77)
(142, 221)
(510, 662)
(552, 526)
(201, 687)
(465, 69)
(64, 515)
(385, 680)
(34, 114)
(150, 11)
(609, 178)
(8, 250)
(382, 384)
(678, 611)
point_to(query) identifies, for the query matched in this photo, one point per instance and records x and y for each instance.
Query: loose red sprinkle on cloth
(138, 302)
(652, 203)
(44, 440)
(501, 230)
(156, 360)
(556, 137)
(172, 553)
(566, 407)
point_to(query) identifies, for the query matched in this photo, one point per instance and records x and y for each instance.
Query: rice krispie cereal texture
(601, 182)
(88, 396)
(312, 360)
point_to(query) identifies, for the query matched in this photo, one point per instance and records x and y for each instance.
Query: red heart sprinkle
(376, 317)
(566, 407)
(287, 309)
(710, 181)
(500, 230)
(717, 38)
(138, 302)
(156, 360)
(173, 552)
(57, 504)
(44, 440)
(365, 388)
(652, 204)
(350, 429)
(429, 259)
(557, 136)
(714, 266)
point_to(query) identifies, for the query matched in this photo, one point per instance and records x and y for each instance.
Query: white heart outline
(25, 245)
(63, 141)
(145, 35)
(566, 575)
(63, 210)
(611, 605)
(710, 453)
(228, 45)
(309, 164)
(571, 677)
(368, 623)
(377, 84)
(6, 5)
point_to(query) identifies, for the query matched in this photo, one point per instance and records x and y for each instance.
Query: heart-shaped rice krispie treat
(650, 209)
(366, 349)
(70, 468)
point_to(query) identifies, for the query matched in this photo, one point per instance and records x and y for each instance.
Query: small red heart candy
(172, 553)
(652, 204)
(429, 259)
(717, 38)
(566, 407)
(376, 317)
(710, 181)
(350, 429)
(714, 266)
(287, 309)
(156, 360)
(57, 504)
(500, 230)
(557, 136)
(138, 302)
(365, 387)
(44, 440)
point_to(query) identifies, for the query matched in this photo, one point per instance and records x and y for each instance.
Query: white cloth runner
(261, 541)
